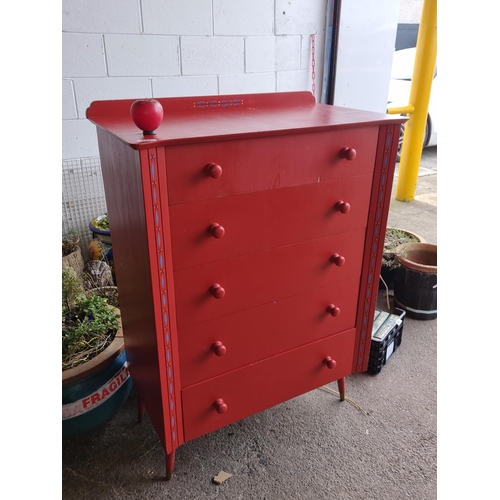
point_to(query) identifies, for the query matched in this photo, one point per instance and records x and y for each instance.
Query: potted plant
(393, 238)
(100, 228)
(95, 378)
(100, 247)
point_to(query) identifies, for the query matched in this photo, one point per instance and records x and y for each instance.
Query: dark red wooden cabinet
(247, 239)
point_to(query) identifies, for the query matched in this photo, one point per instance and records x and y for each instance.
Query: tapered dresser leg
(140, 410)
(170, 464)
(341, 384)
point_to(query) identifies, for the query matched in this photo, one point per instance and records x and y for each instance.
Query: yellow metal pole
(423, 72)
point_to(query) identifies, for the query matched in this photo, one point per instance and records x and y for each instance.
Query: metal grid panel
(83, 197)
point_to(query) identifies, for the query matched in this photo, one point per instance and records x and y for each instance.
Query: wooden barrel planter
(94, 391)
(415, 280)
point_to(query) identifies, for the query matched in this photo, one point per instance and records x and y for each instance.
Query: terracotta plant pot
(389, 261)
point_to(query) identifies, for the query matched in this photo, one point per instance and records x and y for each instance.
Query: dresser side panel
(123, 184)
(385, 163)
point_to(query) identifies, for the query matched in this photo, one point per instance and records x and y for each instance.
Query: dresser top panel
(226, 117)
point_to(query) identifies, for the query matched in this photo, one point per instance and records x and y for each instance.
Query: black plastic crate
(387, 334)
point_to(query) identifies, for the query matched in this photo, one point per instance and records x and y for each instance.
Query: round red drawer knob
(348, 153)
(217, 291)
(333, 310)
(219, 348)
(337, 259)
(330, 363)
(220, 406)
(342, 206)
(217, 231)
(213, 170)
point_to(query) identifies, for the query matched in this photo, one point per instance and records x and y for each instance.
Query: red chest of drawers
(247, 239)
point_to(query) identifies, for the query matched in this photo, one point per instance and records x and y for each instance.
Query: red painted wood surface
(195, 119)
(252, 165)
(374, 244)
(263, 277)
(160, 261)
(268, 219)
(263, 331)
(261, 385)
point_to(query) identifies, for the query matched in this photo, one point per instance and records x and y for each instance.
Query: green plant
(72, 289)
(89, 323)
(101, 222)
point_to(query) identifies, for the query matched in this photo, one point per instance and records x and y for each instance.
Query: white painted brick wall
(119, 49)
(79, 139)
(181, 86)
(288, 53)
(174, 17)
(115, 49)
(260, 54)
(254, 83)
(288, 81)
(68, 100)
(101, 16)
(299, 17)
(142, 55)
(93, 89)
(243, 18)
(212, 55)
(83, 55)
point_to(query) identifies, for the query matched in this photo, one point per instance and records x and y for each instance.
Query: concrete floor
(380, 445)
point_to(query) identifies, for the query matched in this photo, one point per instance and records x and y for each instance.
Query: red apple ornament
(147, 115)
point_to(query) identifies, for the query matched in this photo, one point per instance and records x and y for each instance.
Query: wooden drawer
(260, 332)
(261, 385)
(263, 277)
(259, 164)
(268, 219)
